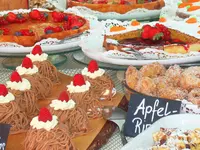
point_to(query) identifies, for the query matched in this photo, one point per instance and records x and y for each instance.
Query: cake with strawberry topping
(24, 95)
(166, 35)
(10, 112)
(28, 28)
(101, 83)
(188, 8)
(74, 117)
(119, 6)
(47, 133)
(40, 84)
(44, 66)
(80, 90)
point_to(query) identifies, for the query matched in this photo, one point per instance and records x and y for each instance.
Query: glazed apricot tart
(28, 28)
(119, 6)
(169, 36)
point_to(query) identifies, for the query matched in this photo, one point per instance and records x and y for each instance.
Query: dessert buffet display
(136, 43)
(120, 9)
(22, 29)
(173, 83)
(47, 110)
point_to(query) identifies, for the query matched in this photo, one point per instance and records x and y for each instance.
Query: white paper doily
(50, 45)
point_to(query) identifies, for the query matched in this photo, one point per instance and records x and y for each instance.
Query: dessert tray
(92, 46)
(49, 45)
(115, 10)
(186, 122)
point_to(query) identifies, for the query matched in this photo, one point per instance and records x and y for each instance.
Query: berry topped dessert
(169, 36)
(64, 108)
(28, 28)
(47, 133)
(101, 83)
(119, 6)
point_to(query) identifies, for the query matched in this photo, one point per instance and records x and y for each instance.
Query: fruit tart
(44, 66)
(40, 85)
(119, 6)
(74, 117)
(101, 83)
(80, 90)
(47, 133)
(10, 112)
(164, 35)
(28, 28)
(25, 96)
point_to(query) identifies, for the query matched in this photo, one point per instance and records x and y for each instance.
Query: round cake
(119, 6)
(28, 28)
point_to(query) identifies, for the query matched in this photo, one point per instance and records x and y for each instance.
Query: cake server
(116, 115)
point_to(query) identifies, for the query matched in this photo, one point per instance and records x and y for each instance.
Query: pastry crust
(38, 28)
(119, 8)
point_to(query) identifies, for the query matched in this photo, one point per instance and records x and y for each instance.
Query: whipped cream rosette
(10, 112)
(82, 93)
(75, 118)
(25, 96)
(46, 133)
(101, 83)
(44, 66)
(40, 84)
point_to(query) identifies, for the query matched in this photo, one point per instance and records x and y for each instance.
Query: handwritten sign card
(145, 110)
(4, 132)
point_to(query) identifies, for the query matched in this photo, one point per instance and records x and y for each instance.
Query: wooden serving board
(101, 130)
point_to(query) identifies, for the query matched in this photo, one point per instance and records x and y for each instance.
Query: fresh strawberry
(78, 80)
(145, 35)
(11, 17)
(57, 16)
(20, 18)
(58, 29)
(146, 28)
(3, 90)
(27, 63)
(4, 31)
(35, 14)
(27, 32)
(63, 96)
(93, 66)
(3, 21)
(44, 115)
(155, 34)
(15, 77)
(37, 50)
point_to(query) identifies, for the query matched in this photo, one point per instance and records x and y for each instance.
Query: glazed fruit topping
(58, 16)
(3, 90)
(73, 22)
(93, 66)
(24, 32)
(3, 21)
(27, 63)
(20, 18)
(44, 115)
(63, 96)
(4, 31)
(15, 77)
(11, 17)
(49, 29)
(37, 50)
(37, 15)
(78, 80)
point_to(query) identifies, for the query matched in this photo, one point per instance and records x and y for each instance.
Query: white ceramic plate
(181, 121)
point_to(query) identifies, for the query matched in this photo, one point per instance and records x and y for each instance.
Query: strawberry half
(37, 50)
(15, 77)
(27, 63)
(11, 17)
(93, 66)
(3, 90)
(44, 115)
(78, 80)
(57, 16)
(35, 14)
(63, 96)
